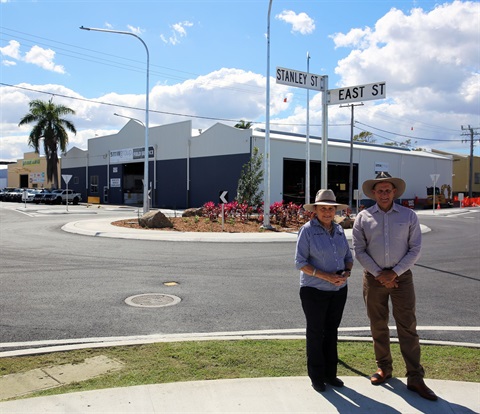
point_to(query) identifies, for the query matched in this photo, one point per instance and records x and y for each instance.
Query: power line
(251, 89)
(408, 136)
(217, 118)
(142, 109)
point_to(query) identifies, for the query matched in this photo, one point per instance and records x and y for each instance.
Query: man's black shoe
(319, 386)
(335, 382)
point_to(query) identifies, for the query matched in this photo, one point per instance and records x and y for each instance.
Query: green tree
(248, 190)
(243, 125)
(52, 128)
(365, 136)
(404, 144)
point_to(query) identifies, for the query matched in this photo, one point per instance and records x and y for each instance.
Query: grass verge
(193, 361)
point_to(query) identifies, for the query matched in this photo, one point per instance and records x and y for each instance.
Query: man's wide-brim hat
(325, 198)
(383, 177)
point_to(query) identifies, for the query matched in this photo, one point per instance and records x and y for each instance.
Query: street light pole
(350, 179)
(307, 143)
(146, 206)
(266, 198)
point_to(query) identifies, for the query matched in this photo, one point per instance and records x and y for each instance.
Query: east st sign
(349, 94)
(357, 93)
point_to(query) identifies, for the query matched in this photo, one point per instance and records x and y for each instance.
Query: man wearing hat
(325, 261)
(387, 242)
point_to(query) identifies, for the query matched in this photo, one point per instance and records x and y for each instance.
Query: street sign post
(223, 196)
(66, 178)
(357, 93)
(434, 178)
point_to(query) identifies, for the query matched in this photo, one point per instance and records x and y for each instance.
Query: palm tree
(51, 127)
(243, 124)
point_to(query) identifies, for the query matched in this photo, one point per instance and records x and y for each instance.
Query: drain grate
(152, 300)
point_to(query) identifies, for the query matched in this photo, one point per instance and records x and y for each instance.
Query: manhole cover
(152, 300)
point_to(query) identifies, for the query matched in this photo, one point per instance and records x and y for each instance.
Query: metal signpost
(66, 178)
(223, 197)
(434, 178)
(25, 196)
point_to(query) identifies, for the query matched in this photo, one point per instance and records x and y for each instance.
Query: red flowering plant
(235, 210)
(211, 211)
(283, 215)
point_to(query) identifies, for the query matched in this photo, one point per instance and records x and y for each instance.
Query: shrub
(284, 215)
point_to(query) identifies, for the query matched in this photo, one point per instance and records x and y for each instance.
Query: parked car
(31, 193)
(4, 192)
(61, 196)
(53, 197)
(40, 196)
(14, 196)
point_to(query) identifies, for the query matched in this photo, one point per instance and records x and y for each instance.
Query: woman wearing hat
(387, 242)
(324, 259)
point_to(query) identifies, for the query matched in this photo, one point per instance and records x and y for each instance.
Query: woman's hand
(337, 280)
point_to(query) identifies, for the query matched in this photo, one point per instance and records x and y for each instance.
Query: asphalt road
(57, 286)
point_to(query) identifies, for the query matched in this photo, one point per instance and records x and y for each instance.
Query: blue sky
(208, 64)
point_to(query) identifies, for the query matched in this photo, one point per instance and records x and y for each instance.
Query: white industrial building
(188, 167)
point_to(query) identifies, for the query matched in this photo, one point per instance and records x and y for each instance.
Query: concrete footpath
(257, 395)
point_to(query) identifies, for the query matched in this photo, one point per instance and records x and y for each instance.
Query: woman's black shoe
(335, 382)
(319, 386)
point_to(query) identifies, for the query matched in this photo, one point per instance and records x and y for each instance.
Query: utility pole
(470, 176)
(350, 179)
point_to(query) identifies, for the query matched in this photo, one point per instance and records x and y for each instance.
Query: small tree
(365, 136)
(248, 190)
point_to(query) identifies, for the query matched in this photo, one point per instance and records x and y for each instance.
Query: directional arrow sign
(223, 195)
(357, 93)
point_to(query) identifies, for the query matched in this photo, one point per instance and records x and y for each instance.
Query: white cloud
(178, 31)
(38, 56)
(226, 94)
(135, 30)
(301, 22)
(12, 50)
(43, 58)
(429, 61)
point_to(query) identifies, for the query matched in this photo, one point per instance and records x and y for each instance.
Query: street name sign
(357, 93)
(299, 79)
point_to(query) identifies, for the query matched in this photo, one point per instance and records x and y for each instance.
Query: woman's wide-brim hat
(384, 177)
(325, 198)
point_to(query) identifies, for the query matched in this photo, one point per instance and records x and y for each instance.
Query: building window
(477, 177)
(94, 184)
(75, 180)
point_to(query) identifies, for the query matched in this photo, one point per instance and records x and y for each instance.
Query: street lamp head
(84, 28)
